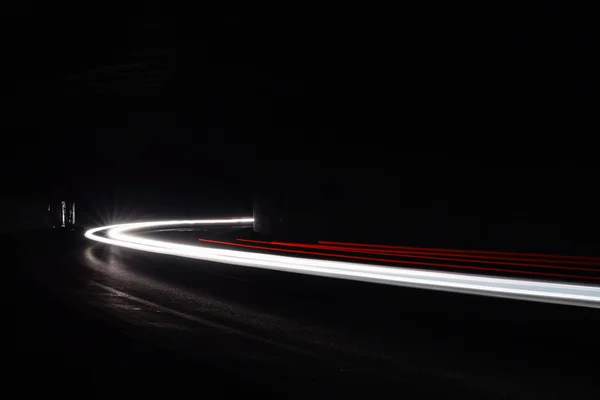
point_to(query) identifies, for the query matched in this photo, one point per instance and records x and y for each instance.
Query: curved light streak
(551, 292)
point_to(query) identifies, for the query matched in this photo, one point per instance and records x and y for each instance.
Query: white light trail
(524, 289)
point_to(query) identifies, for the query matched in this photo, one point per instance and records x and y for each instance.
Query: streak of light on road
(434, 256)
(123, 235)
(401, 262)
(381, 246)
(545, 258)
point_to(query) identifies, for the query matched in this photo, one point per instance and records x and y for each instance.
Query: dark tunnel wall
(489, 208)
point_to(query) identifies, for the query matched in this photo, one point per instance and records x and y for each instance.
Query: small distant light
(53, 226)
(63, 212)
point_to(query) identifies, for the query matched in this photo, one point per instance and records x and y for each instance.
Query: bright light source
(63, 206)
(120, 235)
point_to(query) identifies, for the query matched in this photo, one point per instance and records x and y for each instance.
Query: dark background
(157, 108)
(456, 124)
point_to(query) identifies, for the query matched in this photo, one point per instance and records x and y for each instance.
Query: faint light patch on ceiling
(145, 77)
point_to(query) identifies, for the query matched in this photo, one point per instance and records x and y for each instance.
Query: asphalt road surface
(162, 326)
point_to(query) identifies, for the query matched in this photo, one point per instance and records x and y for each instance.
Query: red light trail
(426, 249)
(423, 255)
(402, 262)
